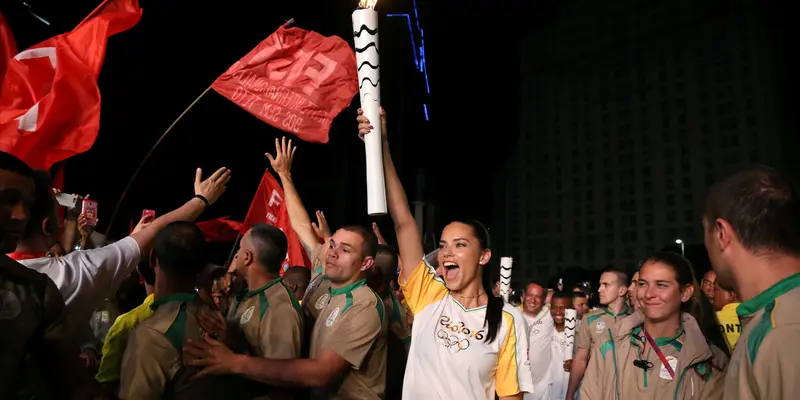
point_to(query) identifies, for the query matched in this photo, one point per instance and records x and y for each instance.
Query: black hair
(697, 306)
(560, 294)
(180, 250)
(146, 271)
(44, 208)
(303, 274)
(11, 163)
(382, 274)
(761, 205)
(579, 295)
(270, 245)
(494, 306)
(369, 245)
(389, 269)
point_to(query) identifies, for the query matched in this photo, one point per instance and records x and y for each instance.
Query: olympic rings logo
(452, 342)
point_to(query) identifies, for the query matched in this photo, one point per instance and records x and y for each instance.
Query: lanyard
(660, 355)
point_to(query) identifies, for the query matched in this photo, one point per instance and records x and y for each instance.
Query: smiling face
(533, 299)
(461, 256)
(659, 292)
(558, 306)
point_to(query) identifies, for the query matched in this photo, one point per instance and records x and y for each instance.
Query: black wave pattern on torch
(371, 44)
(365, 28)
(370, 65)
(366, 78)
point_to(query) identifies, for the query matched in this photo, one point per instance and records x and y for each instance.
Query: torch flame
(367, 4)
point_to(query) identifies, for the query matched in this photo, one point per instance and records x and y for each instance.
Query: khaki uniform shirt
(353, 324)
(152, 366)
(36, 348)
(688, 354)
(596, 328)
(766, 361)
(271, 322)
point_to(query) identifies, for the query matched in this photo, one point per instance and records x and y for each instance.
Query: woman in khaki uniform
(661, 352)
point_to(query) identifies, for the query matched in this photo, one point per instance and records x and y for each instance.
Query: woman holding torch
(465, 342)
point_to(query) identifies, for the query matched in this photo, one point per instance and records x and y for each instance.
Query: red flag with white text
(220, 229)
(50, 103)
(294, 80)
(268, 207)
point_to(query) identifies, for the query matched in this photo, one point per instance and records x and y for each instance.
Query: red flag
(8, 46)
(295, 80)
(268, 206)
(220, 229)
(50, 104)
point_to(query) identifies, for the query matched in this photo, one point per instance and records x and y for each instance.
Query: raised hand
(321, 227)
(213, 187)
(365, 126)
(144, 222)
(377, 232)
(284, 154)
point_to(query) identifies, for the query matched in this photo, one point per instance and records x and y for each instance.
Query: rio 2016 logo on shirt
(332, 317)
(248, 314)
(456, 336)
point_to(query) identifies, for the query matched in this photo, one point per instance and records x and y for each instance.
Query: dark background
(155, 70)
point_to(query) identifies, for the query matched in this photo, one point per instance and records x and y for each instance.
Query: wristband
(203, 198)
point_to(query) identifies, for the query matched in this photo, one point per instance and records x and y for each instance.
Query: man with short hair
(268, 315)
(36, 347)
(581, 302)
(598, 327)
(540, 333)
(752, 234)
(348, 343)
(152, 362)
(297, 279)
(707, 285)
(379, 279)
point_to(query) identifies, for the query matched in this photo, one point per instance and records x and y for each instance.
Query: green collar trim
(347, 289)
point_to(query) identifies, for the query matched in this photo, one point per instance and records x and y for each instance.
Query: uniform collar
(347, 289)
(762, 299)
(263, 288)
(179, 297)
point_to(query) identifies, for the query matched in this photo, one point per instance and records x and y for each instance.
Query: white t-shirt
(449, 357)
(559, 377)
(86, 277)
(540, 330)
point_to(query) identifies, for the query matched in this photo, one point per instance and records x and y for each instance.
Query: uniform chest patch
(332, 317)
(322, 301)
(248, 314)
(600, 326)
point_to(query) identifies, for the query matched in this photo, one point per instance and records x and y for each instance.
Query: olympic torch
(365, 35)
(570, 321)
(505, 276)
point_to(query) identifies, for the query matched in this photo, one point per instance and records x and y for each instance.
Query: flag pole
(146, 157)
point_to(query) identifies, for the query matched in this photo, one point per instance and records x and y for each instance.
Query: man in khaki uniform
(752, 234)
(348, 345)
(596, 328)
(268, 316)
(152, 364)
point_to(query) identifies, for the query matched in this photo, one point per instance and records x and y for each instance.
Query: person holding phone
(85, 278)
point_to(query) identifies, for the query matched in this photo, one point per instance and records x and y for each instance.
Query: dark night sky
(156, 69)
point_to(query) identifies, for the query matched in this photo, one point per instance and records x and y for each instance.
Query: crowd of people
(149, 316)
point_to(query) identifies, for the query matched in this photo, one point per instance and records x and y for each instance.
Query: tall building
(628, 110)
